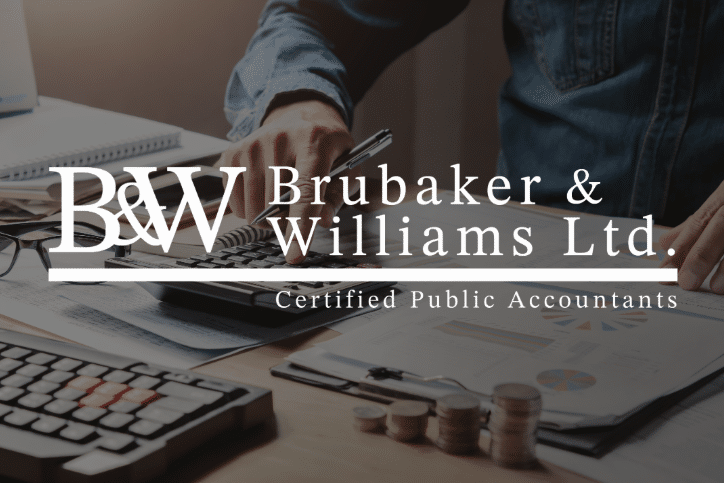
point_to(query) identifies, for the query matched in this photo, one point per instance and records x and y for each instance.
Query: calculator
(72, 413)
(228, 297)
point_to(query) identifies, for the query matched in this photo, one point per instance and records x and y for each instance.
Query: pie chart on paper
(606, 320)
(565, 380)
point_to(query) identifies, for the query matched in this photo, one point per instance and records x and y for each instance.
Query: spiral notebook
(61, 133)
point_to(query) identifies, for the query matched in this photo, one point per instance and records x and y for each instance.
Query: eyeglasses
(38, 236)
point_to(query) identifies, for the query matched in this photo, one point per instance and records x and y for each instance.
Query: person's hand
(698, 245)
(307, 135)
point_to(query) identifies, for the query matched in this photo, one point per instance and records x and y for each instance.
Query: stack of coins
(459, 422)
(513, 423)
(407, 420)
(369, 418)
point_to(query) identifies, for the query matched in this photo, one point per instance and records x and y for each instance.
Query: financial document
(684, 444)
(48, 309)
(549, 238)
(196, 328)
(598, 363)
(124, 319)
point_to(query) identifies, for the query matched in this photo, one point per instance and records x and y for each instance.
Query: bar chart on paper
(526, 342)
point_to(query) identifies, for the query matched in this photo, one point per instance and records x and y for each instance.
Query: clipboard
(594, 441)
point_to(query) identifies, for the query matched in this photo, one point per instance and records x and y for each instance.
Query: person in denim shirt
(630, 90)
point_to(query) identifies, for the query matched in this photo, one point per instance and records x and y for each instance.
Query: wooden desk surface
(312, 438)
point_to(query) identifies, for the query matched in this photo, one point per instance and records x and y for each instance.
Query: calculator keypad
(270, 255)
(84, 402)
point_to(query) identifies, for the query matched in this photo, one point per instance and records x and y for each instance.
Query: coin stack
(458, 416)
(407, 420)
(513, 423)
(369, 418)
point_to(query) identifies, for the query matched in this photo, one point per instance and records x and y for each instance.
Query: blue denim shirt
(629, 89)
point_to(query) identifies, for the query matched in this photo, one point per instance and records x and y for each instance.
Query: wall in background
(170, 61)
(164, 59)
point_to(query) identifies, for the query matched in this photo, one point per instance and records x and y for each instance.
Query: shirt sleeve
(333, 49)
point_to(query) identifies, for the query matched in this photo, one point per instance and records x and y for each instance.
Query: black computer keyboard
(69, 413)
(229, 297)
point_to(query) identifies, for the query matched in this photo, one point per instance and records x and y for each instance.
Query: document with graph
(600, 364)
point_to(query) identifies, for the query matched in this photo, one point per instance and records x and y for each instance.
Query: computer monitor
(18, 91)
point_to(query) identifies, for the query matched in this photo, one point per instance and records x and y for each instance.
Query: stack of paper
(124, 319)
(588, 377)
(594, 366)
(60, 133)
(684, 443)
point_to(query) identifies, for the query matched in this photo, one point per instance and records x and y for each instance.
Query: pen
(358, 155)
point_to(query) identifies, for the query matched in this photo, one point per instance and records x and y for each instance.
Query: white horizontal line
(363, 275)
